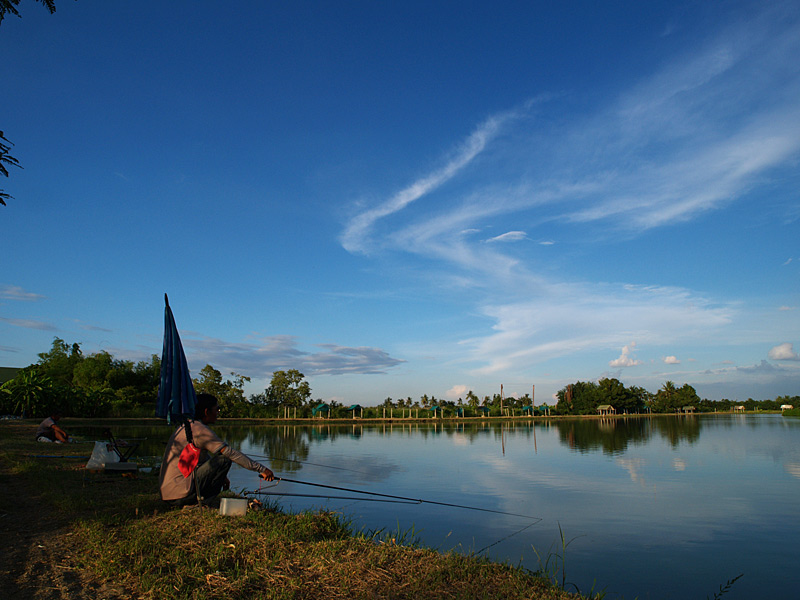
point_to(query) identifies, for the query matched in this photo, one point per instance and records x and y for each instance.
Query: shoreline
(71, 535)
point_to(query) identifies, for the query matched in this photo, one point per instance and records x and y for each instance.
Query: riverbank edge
(154, 421)
(93, 535)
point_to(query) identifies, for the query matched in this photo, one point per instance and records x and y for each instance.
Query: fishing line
(508, 536)
(412, 500)
(331, 497)
(304, 462)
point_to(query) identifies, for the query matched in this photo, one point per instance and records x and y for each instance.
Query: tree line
(99, 385)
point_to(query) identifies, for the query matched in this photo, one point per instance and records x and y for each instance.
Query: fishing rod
(260, 493)
(411, 500)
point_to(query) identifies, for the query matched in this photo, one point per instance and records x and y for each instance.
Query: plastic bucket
(233, 507)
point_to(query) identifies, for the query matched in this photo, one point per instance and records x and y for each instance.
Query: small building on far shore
(786, 407)
(606, 409)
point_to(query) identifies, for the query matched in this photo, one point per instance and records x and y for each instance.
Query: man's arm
(245, 461)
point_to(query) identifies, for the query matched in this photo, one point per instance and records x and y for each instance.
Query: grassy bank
(73, 536)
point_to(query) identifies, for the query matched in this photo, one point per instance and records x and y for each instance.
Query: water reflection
(645, 497)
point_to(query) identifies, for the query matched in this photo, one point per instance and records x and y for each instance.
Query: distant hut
(357, 407)
(321, 409)
(606, 409)
(688, 410)
(786, 407)
(528, 409)
(738, 409)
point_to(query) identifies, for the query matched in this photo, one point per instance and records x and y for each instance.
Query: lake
(660, 507)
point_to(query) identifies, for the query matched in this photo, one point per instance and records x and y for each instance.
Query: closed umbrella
(176, 396)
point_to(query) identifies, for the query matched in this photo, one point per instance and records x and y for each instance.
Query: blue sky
(423, 198)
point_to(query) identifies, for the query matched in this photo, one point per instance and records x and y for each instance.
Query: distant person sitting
(211, 473)
(49, 431)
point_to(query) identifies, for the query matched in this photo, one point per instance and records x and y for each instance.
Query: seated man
(49, 431)
(211, 473)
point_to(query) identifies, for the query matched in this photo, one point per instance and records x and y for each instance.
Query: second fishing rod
(404, 499)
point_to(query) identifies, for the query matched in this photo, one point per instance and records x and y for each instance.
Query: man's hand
(267, 475)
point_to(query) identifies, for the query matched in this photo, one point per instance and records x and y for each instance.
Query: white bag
(101, 456)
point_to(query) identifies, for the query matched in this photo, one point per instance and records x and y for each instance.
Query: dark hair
(204, 403)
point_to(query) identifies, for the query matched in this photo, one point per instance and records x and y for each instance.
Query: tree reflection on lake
(657, 507)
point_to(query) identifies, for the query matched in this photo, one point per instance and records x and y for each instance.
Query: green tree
(686, 396)
(30, 394)
(666, 398)
(472, 399)
(60, 362)
(229, 393)
(580, 398)
(5, 157)
(9, 6)
(613, 392)
(288, 388)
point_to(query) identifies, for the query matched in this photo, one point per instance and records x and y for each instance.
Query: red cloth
(187, 462)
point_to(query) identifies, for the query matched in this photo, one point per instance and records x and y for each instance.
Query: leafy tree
(613, 392)
(687, 396)
(644, 398)
(59, 363)
(9, 6)
(472, 399)
(229, 393)
(580, 398)
(5, 157)
(30, 394)
(666, 399)
(288, 388)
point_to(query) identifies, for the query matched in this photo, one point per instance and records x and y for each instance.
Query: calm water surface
(661, 507)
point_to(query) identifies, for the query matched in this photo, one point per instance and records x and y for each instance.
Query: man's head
(207, 408)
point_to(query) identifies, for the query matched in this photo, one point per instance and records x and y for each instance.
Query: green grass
(117, 533)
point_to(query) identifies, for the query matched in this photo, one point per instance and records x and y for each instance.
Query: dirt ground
(36, 554)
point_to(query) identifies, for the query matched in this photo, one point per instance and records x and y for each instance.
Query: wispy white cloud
(30, 324)
(693, 137)
(14, 292)
(509, 236)
(572, 319)
(671, 360)
(356, 236)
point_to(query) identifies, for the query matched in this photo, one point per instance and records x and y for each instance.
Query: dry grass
(199, 554)
(74, 538)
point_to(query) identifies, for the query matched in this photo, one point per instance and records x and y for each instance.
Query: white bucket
(233, 507)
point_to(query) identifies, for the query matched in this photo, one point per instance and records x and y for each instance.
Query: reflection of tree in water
(676, 429)
(611, 435)
(285, 447)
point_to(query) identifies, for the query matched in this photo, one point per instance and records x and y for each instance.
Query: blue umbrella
(176, 397)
